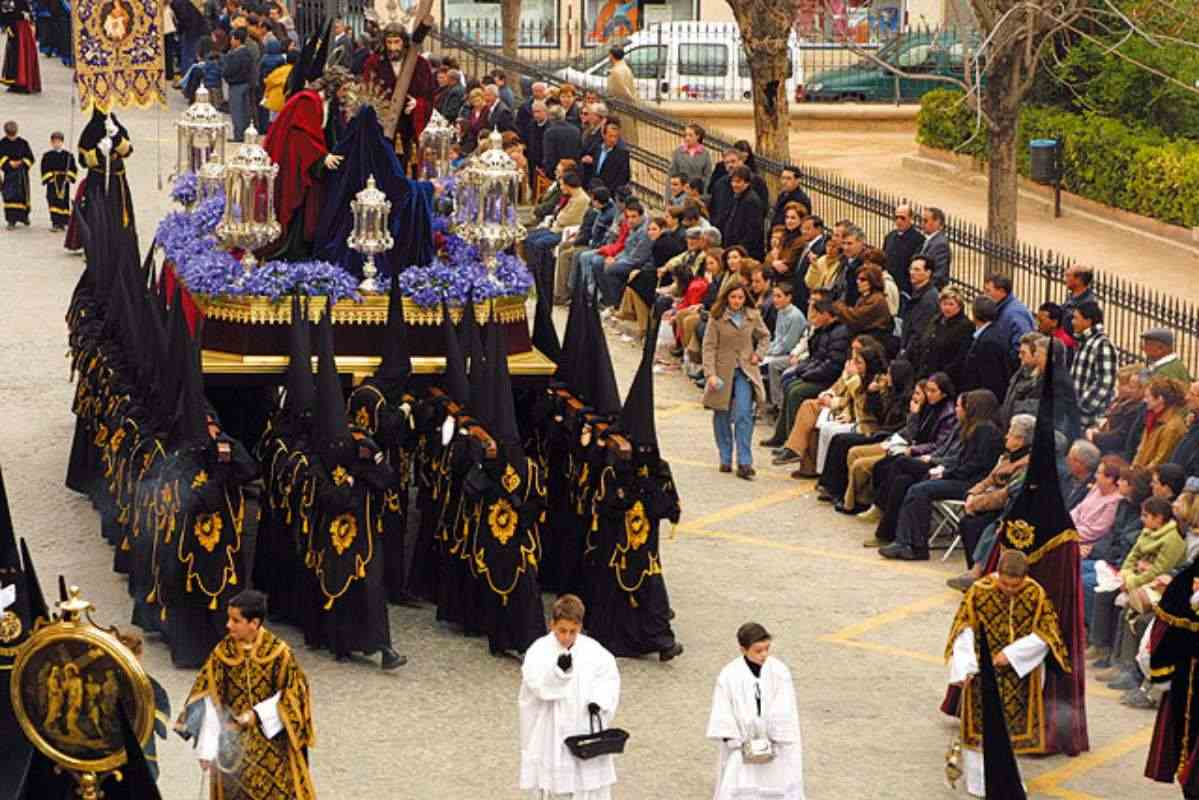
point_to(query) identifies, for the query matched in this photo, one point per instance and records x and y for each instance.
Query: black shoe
(392, 659)
(825, 497)
(840, 508)
(673, 651)
(726, 467)
(343, 658)
(746, 473)
(788, 456)
(901, 552)
(771, 442)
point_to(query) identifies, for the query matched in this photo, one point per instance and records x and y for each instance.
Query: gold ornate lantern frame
(68, 679)
(371, 234)
(493, 182)
(249, 221)
(200, 136)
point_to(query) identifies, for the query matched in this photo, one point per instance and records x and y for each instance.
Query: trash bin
(1043, 166)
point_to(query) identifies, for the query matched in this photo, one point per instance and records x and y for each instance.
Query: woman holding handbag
(755, 722)
(734, 346)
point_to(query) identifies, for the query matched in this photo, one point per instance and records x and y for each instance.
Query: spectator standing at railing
(501, 83)
(524, 114)
(936, 245)
(623, 87)
(534, 136)
(1015, 319)
(561, 140)
(451, 95)
(901, 245)
(610, 164)
(568, 97)
(1158, 347)
(743, 218)
(1078, 288)
(499, 116)
(789, 192)
(691, 159)
(1094, 367)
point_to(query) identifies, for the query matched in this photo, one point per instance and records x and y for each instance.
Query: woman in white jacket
(755, 722)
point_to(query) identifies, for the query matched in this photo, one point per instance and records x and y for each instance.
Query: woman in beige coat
(734, 345)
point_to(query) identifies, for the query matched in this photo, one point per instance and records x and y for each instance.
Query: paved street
(864, 637)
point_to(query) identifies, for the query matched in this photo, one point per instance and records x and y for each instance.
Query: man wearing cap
(1158, 346)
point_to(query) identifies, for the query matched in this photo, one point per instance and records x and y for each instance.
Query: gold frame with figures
(67, 680)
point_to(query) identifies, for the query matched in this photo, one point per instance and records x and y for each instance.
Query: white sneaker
(624, 337)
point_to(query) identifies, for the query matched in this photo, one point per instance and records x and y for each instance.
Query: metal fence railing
(1129, 308)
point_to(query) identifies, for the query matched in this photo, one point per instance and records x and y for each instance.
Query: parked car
(702, 61)
(866, 81)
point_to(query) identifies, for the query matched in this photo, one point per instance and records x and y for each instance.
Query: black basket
(600, 742)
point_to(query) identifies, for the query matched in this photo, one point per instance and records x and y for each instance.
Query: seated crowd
(877, 377)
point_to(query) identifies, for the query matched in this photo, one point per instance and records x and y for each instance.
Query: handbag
(757, 748)
(600, 741)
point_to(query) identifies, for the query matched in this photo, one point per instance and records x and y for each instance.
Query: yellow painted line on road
(887, 650)
(738, 509)
(1050, 782)
(894, 615)
(682, 408)
(911, 567)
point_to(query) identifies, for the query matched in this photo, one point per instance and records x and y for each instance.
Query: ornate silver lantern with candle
(249, 220)
(489, 221)
(200, 134)
(371, 234)
(435, 143)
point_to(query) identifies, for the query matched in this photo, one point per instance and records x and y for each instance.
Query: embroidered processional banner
(119, 53)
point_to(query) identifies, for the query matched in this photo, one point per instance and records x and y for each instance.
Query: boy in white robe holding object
(754, 707)
(565, 677)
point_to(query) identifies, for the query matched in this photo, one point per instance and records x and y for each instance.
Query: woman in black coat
(971, 410)
(982, 444)
(887, 400)
(945, 342)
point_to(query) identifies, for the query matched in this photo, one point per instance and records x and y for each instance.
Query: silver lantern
(249, 220)
(210, 180)
(200, 134)
(435, 143)
(370, 235)
(490, 221)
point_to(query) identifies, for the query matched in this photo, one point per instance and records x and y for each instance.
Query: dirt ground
(864, 637)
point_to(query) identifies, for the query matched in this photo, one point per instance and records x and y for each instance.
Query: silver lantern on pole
(435, 143)
(200, 136)
(249, 221)
(370, 235)
(490, 221)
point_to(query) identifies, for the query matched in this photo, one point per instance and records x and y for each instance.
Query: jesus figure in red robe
(405, 119)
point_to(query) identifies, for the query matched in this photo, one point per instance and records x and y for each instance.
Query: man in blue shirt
(612, 274)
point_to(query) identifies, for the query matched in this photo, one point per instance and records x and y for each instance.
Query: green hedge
(1105, 160)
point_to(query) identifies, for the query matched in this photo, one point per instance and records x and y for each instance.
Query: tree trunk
(1002, 98)
(765, 26)
(510, 20)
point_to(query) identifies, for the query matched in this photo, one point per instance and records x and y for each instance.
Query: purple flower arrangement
(188, 239)
(185, 188)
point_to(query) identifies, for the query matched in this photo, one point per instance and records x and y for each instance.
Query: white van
(702, 61)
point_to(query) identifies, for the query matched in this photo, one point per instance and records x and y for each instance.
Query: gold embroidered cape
(1008, 619)
(236, 679)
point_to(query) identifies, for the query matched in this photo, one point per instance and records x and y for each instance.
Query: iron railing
(1129, 308)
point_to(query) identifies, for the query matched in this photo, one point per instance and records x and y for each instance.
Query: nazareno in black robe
(16, 159)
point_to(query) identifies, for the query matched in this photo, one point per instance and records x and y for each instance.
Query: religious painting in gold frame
(67, 682)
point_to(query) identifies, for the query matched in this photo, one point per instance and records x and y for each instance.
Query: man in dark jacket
(924, 304)
(828, 348)
(741, 223)
(499, 116)
(722, 190)
(900, 246)
(561, 140)
(191, 26)
(789, 192)
(524, 114)
(1186, 452)
(987, 363)
(451, 95)
(239, 69)
(611, 164)
(534, 139)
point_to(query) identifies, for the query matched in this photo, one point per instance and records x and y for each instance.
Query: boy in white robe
(565, 677)
(755, 702)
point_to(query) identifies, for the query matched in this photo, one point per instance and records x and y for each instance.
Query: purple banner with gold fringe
(119, 53)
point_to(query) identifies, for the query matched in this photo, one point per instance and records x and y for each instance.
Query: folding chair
(947, 515)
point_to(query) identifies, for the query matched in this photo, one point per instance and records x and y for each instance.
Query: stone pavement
(863, 637)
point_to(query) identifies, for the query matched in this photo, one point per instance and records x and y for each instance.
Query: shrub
(1104, 159)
